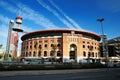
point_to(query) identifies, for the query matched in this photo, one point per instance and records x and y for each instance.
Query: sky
(57, 14)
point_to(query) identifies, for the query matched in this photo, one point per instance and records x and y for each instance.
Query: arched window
(23, 55)
(73, 51)
(30, 54)
(34, 54)
(30, 47)
(83, 46)
(26, 54)
(96, 54)
(58, 45)
(89, 54)
(84, 53)
(35, 45)
(40, 46)
(45, 45)
(51, 45)
(58, 53)
(45, 53)
(27, 47)
(51, 53)
(88, 46)
(83, 41)
(92, 54)
(39, 53)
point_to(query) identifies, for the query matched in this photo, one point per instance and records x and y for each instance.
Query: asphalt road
(79, 74)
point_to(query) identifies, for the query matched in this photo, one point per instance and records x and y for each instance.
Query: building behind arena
(64, 44)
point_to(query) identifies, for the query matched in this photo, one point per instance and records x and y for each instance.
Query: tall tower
(11, 24)
(19, 21)
(16, 38)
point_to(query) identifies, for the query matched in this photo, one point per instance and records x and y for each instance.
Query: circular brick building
(65, 44)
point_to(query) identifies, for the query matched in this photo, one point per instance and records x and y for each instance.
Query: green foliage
(0, 46)
(13, 66)
(54, 47)
(93, 65)
(1, 55)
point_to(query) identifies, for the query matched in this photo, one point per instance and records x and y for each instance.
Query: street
(80, 74)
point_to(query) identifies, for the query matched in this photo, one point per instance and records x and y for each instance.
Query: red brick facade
(70, 45)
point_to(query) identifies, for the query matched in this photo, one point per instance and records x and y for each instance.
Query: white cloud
(4, 30)
(5, 25)
(36, 17)
(67, 17)
(29, 14)
(69, 25)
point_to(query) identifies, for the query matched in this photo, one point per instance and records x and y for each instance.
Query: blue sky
(52, 14)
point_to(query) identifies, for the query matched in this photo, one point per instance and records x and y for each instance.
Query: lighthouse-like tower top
(19, 20)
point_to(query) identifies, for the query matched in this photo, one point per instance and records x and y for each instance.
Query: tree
(1, 55)
(89, 54)
(99, 50)
(91, 48)
(36, 46)
(54, 47)
(0, 46)
(40, 48)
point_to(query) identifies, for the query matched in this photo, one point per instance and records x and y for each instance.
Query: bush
(4, 67)
(1, 55)
(93, 65)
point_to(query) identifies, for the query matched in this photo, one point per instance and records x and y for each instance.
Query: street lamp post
(101, 20)
(104, 38)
